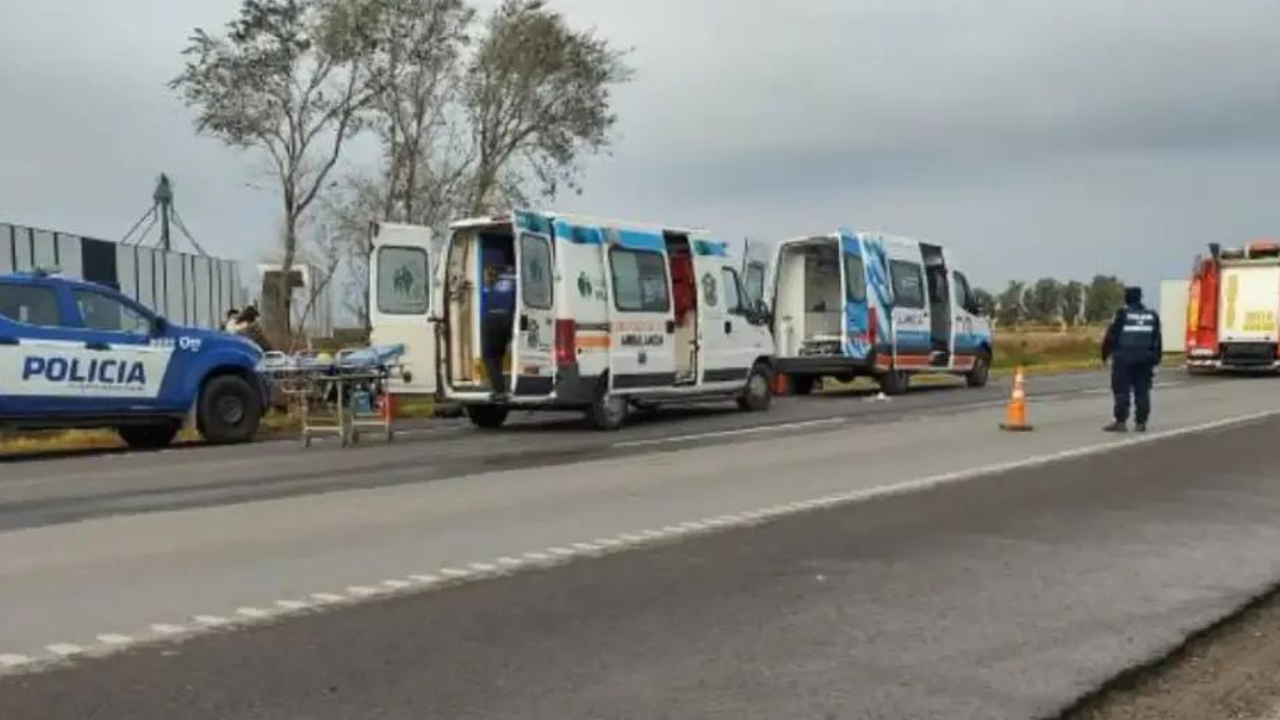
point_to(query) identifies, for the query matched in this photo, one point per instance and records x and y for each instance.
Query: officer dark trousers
(1135, 378)
(495, 339)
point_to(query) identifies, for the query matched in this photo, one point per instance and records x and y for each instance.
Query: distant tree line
(1048, 301)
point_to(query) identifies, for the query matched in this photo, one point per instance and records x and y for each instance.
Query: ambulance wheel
(149, 437)
(979, 373)
(894, 382)
(607, 412)
(759, 391)
(802, 384)
(489, 417)
(229, 410)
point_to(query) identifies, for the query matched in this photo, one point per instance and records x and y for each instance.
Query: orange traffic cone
(1015, 413)
(781, 384)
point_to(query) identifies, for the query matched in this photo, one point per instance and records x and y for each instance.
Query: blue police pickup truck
(75, 354)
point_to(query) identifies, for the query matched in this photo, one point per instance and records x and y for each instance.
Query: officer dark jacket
(1133, 337)
(500, 296)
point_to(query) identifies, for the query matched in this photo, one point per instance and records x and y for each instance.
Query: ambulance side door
(642, 332)
(126, 358)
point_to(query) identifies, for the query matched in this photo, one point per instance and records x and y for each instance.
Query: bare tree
(537, 96)
(420, 57)
(291, 78)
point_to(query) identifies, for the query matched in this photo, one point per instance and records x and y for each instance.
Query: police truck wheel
(229, 410)
(489, 417)
(978, 374)
(608, 412)
(802, 384)
(894, 382)
(759, 391)
(153, 436)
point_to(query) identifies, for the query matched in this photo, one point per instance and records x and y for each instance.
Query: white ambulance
(1233, 308)
(609, 315)
(850, 304)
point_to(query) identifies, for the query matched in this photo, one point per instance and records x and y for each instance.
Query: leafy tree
(1010, 310)
(1044, 301)
(1106, 295)
(292, 79)
(985, 301)
(417, 118)
(536, 96)
(1073, 300)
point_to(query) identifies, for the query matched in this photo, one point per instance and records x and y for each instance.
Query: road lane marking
(328, 598)
(114, 639)
(362, 591)
(510, 562)
(64, 649)
(292, 605)
(425, 579)
(211, 620)
(13, 661)
(482, 567)
(168, 629)
(450, 572)
(396, 584)
(755, 430)
(253, 612)
(537, 556)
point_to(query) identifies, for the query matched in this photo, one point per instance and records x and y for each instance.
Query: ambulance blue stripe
(532, 222)
(636, 240)
(710, 248)
(578, 234)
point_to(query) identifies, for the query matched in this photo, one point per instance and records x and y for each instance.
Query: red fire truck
(1233, 308)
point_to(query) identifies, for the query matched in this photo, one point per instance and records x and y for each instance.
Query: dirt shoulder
(1229, 671)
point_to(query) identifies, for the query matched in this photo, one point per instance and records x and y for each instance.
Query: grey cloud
(1038, 137)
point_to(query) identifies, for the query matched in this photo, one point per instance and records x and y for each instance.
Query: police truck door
(533, 362)
(122, 365)
(401, 295)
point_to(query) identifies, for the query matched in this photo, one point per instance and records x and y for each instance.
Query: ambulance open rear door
(402, 293)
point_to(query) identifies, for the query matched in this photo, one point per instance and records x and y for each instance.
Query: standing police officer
(1132, 343)
(499, 297)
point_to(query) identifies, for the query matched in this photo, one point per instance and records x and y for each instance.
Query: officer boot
(1116, 427)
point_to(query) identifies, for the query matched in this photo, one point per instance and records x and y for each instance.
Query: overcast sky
(1036, 138)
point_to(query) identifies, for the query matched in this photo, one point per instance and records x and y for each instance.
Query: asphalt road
(835, 558)
(36, 492)
(1007, 595)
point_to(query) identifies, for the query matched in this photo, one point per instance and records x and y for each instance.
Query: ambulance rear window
(29, 304)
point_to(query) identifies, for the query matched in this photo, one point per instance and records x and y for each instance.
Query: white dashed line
(113, 639)
(292, 604)
(586, 547)
(781, 427)
(362, 591)
(425, 579)
(167, 629)
(629, 538)
(607, 542)
(327, 597)
(13, 661)
(397, 584)
(253, 612)
(64, 649)
(560, 552)
(483, 567)
(211, 620)
(537, 556)
(454, 572)
(509, 561)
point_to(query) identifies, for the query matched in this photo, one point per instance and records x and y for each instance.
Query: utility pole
(163, 197)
